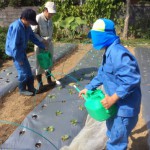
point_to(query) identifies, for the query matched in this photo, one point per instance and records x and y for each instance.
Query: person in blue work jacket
(120, 76)
(19, 33)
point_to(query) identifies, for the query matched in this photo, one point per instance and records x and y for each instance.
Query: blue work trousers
(118, 131)
(24, 71)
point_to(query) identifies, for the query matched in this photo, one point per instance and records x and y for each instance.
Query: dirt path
(15, 108)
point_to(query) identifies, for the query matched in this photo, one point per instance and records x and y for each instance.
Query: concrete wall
(9, 14)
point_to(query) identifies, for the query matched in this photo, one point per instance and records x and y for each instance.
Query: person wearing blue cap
(19, 33)
(120, 76)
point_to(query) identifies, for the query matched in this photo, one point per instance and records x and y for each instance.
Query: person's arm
(95, 82)
(35, 29)
(126, 72)
(108, 101)
(34, 39)
(13, 44)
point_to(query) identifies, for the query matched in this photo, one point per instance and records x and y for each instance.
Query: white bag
(91, 137)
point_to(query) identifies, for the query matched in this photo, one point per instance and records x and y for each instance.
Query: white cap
(51, 7)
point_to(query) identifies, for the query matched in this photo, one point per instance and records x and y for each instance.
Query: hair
(28, 14)
(45, 9)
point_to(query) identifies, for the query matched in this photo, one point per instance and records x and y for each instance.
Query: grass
(128, 42)
(136, 42)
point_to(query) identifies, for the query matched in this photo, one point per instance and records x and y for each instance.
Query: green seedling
(49, 129)
(81, 107)
(65, 137)
(71, 91)
(60, 87)
(52, 96)
(74, 122)
(58, 112)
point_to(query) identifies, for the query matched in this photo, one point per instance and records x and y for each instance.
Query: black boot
(22, 89)
(40, 83)
(49, 79)
(30, 85)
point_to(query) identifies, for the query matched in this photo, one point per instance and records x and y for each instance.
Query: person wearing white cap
(44, 31)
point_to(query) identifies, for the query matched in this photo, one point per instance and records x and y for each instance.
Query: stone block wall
(9, 14)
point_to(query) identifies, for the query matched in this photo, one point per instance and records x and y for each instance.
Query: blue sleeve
(95, 82)
(13, 43)
(127, 73)
(35, 40)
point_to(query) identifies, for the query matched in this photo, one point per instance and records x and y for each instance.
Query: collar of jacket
(21, 23)
(44, 17)
(117, 41)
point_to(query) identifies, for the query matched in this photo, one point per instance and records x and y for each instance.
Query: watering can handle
(79, 91)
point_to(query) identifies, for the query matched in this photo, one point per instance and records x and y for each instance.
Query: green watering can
(95, 108)
(45, 61)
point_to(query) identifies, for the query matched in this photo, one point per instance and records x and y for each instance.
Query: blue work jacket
(17, 38)
(120, 74)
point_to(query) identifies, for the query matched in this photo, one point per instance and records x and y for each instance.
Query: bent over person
(44, 31)
(19, 33)
(120, 75)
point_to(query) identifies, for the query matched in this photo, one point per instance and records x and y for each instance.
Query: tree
(126, 23)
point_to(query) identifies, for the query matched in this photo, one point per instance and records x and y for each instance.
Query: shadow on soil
(140, 142)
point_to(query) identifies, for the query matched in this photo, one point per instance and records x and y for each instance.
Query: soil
(15, 107)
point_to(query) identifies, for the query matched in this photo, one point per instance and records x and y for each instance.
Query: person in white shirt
(44, 31)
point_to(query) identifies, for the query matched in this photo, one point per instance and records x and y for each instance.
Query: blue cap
(102, 25)
(102, 33)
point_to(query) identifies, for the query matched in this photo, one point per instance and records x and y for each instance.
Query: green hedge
(3, 32)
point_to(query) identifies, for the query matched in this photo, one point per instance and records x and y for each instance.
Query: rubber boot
(30, 85)
(40, 83)
(22, 89)
(49, 79)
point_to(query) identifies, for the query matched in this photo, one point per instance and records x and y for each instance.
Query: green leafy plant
(58, 112)
(65, 137)
(70, 27)
(49, 129)
(81, 107)
(74, 122)
(60, 87)
(3, 32)
(52, 96)
(71, 91)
